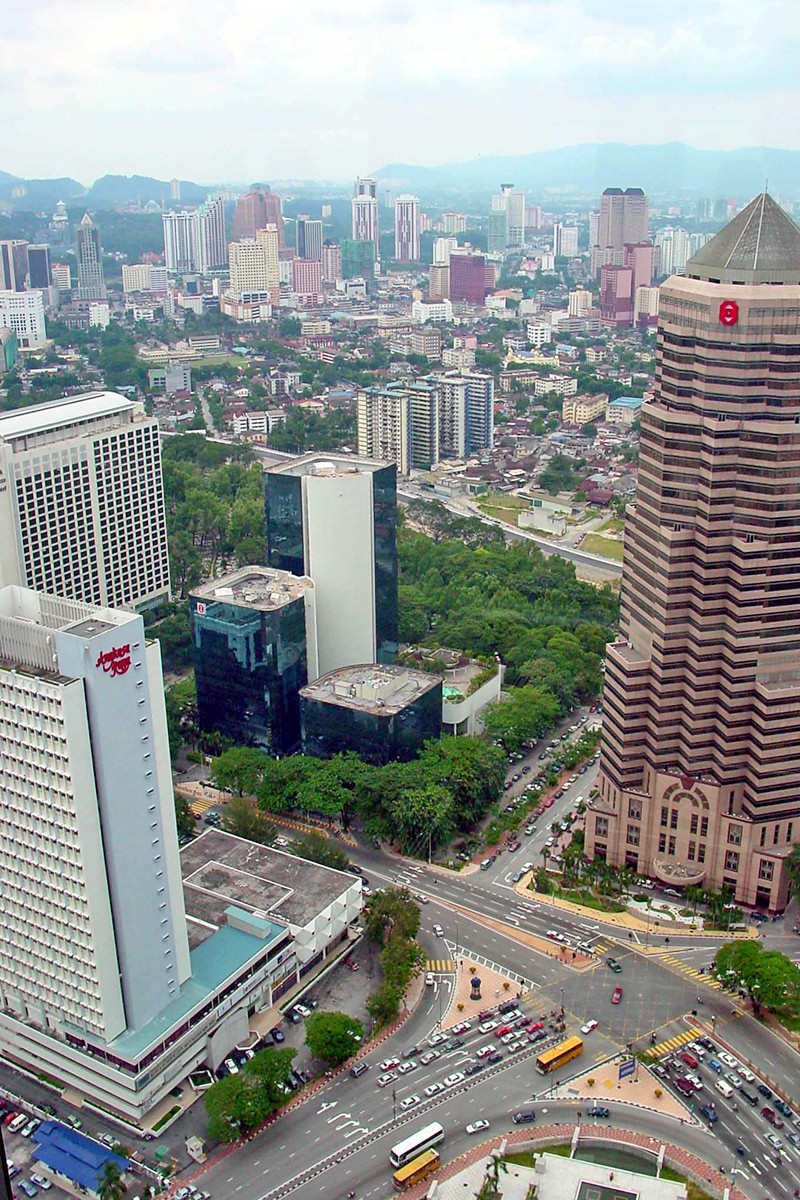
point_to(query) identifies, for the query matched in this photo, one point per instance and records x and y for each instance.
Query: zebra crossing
(441, 964)
(686, 969)
(673, 1043)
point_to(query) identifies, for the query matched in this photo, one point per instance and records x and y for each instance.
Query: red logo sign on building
(115, 661)
(729, 312)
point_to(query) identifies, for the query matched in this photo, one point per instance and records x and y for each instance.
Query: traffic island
(602, 1084)
(495, 988)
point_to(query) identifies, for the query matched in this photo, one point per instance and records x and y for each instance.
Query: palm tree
(111, 1185)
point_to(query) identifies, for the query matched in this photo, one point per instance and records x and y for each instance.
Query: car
(782, 1107)
(728, 1059)
(428, 1057)
(389, 1064)
(455, 1044)
(302, 1010)
(430, 979)
(765, 1091)
(549, 802)
(422, 898)
(456, 1078)
(707, 1044)
(694, 1080)
(614, 965)
(715, 1065)
(31, 1127)
(616, 995)
(487, 1026)
(598, 1110)
(589, 1026)
(409, 1101)
(690, 1060)
(409, 1052)
(405, 1067)
(437, 929)
(507, 1038)
(12, 1115)
(538, 1036)
(387, 1078)
(433, 1089)
(27, 1187)
(351, 964)
(484, 1052)
(41, 1182)
(277, 1035)
(672, 892)
(462, 1027)
(697, 1050)
(746, 1074)
(517, 876)
(769, 1114)
(359, 1069)
(684, 1085)
(231, 1066)
(51, 1112)
(773, 1140)
(660, 1070)
(502, 1030)
(524, 1117)
(472, 1068)
(794, 1139)
(733, 1079)
(535, 1026)
(437, 1038)
(515, 845)
(709, 1112)
(477, 1126)
(513, 1047)
(494, 1057)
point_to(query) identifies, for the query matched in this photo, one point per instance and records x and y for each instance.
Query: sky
(327, 89)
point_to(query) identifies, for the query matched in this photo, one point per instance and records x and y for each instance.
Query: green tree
(793, 870)
(319, 849)
(239, 1103)
(771, 980)
(111, 1185)
(175, 637)
(333, 1036)
(184, 818)
(239, 770)
(242, 817)
(423, 818)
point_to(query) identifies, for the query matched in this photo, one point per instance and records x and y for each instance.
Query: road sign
(627, 1068)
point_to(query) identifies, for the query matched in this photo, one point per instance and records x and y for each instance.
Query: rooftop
(221, 870)
(55, 414)
(331, 465)
(380, 689)
(256, 587)
(760, 245)
(73, 1155)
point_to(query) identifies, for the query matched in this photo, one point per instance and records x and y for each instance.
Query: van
(724, 1088)
(359, 1069)
(749, 1095)
(487, 862)
(19, 1120)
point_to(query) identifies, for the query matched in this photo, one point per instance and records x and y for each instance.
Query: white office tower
(333, 518)
(579, 303)
(82, 502)
(93, 940)
(180, 253)
(211, 244)
(466, 413)
(24, 313)
(565, 241)
(515, 217)
(443, 247)
(254, 264)
(364, 213)
(406, 229)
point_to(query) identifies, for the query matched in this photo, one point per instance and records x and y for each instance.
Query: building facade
(331, 262)
(23, 312)
(39, 267)
(468, 278)
(309, 502)
(254, 644)
(91, 284)
(255, 210)
(699, 778)
(406, 229)
(82, 502)
(308, 238)
(13, 264)
(364, 214)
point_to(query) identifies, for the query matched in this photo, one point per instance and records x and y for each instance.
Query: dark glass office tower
(334, 518)
(254, 647)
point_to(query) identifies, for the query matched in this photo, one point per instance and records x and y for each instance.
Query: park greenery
(317, 848)
(770, 979)
(333, 1037)
(391, 921)
(237, 1104)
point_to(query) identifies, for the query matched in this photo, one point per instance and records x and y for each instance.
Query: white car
(512, 1015)
(773, 1140)
(461, 1027)
(507, 1038)
(430, 978)
(231, 1066)
(728, 1059)
(405, 1067)
(282, 842)
(477, 1126)
(409, 1102)
(512, 1047)
(389, 1064)
(746, 1074)
(436, 1038)
(734, 1079)
(487, 1026)
(589, 1026)
(697, 1050)
(433, 1089)
(41, 1182)
(428, 1057)
(386, 1079)
(301, 1008)
(437, 929)
(452, 1080)
(694, 1080)
(484, 1051)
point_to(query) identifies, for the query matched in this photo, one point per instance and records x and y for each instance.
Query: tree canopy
(771, 980)
(236, 1104)
(333, 1036)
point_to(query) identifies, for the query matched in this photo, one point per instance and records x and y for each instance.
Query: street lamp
(562, 1004)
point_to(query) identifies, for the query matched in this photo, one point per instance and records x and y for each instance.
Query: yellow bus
(551, 1060)
(418, 1168)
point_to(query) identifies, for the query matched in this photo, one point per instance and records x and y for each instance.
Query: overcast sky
(243, 89)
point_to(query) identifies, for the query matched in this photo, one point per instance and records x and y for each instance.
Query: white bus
(415, 1143)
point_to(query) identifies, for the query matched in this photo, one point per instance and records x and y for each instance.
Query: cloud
(217, 89)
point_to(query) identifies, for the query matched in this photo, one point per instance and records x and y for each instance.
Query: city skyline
(294, 121)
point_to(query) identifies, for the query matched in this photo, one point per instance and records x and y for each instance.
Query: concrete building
(616, 295)
(364, 214)
(579, 410)
(308, 238)
(624, 410)
(255, 210)
(624, 217)
(466, 413)
(645, 306)
(468, 276)
(23, 312)
(431, 310)
(309, 502)
(8, 348)
(546, 513)
(539, 333)
(254, 644)
(562, 385)
(515, 217)
(307, 280)
(384, 713)
(458, 358)
(143, 277)
(406, 229)
(91, 284)
(453, 222)
(212, 254)
(565, 240)
(427, 341)
(13, 264)
(579, 303)
(399, 423)
(81, 501)
(496, 231)
(62, 277)
(443, 247)
(171, 378)
(253, 264)
(331, 262)
(39, 275)
(180, 241)
(439, 282)
(699, 771)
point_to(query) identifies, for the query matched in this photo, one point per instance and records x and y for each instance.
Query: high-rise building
(453, 222)
(62, 276)
(212, 247)
(307, 280)
(515, 217)
(699, 771)
(399, 423)
(357, 259)
(91, 285)
(308, 238)
(254, 265)
(443, 247)
(364, 214)
(143, 277)
(406, 229)
(639, 258)
(39, 267)
(565, 240)
(468, 279)
(93, 937)
(180, 252)
(82, 512)
(496, 232)
(255, 210)
(579, 303)
(623, 218)
(309, 501)
(13, 264)
(331, 261)
(24, 313)
(466, 413)
(438, 282)
(616, 295)
(254, 644)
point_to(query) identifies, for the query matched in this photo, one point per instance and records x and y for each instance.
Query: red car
(502, 1030)
(515, 845)
(535, 1026)
(689, 1059)
(549, 801)
(352, 965)
(616, 996)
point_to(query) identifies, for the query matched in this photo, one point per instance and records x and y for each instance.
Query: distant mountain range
(105, 192)
(667, 169)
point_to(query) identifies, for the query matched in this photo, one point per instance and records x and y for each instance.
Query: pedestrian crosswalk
(686, 969)
(201, 805)
(673, 1043)
(441, 964)
(601, 947)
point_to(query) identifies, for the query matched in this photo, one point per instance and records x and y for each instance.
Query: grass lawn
(509, 515)
(506, 500)
(615, 525)
(595, 543)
